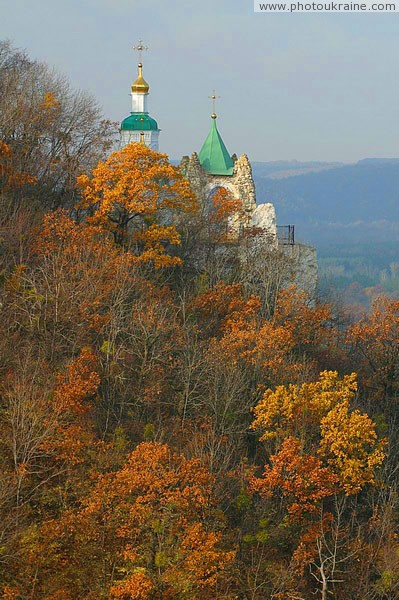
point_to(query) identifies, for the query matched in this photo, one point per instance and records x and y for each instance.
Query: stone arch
(234, 222)
(212, 186)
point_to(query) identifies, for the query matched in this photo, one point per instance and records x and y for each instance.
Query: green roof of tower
(139, 122)
(213, 156)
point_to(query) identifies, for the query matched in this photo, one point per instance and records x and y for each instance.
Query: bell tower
(139, 126)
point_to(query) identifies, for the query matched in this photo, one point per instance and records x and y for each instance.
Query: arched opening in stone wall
(224, 210)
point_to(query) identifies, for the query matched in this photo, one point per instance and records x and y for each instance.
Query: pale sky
(292, 86)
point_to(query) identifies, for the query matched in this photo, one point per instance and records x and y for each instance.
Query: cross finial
(214, 98)
(140, 49)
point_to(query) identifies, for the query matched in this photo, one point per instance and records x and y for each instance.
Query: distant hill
(281, 169)
(333, 202)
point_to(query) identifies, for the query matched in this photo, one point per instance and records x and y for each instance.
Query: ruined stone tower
(214, 168)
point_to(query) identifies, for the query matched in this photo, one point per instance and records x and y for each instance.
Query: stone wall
(301, 268)
(240, 184)
(264, 219)
(304, 267)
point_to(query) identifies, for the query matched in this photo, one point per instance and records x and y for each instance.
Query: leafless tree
(55, 133)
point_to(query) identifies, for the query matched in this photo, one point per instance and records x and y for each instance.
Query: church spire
(140, 86)
(214, 156)
(214, 98)
(139, 126)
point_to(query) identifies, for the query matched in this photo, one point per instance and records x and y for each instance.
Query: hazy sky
(304, 86)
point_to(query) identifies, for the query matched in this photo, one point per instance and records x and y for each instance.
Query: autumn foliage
(174, 424)
(374, 341)
(316, 418)
(151, 527)
(299, 477)
(10, 178)
(134, 194)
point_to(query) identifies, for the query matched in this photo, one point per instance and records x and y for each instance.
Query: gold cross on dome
(214, 98)
(140, 49)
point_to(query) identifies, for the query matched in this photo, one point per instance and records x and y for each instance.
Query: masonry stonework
(262, 217)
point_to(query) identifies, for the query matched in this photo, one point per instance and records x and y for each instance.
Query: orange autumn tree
(148, 530)
(137, 194)
(86, 265)
(10, 177)
(311, 324)
(277, 348)
(47, 434)
(374, 343)
(56, 416)
(65, 293)
(298, 477)
(319, 416)
(224, 216)
(322, 449)
(223, 304)
(72, 415)
(224, 205)
(237, 334)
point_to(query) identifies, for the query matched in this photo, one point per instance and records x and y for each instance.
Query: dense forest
(176, 420)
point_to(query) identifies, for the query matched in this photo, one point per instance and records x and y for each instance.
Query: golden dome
(140, 86)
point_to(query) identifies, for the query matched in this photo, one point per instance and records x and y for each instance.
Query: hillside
(330, 202)
(177, 421)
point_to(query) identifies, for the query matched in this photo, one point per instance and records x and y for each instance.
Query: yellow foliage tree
(136, 194)
(297, 410)
(319, 415)
(349, 443)
(324, 453)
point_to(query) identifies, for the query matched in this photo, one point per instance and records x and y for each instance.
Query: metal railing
(286, 235)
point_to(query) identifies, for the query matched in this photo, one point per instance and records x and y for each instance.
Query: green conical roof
(214, 157)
